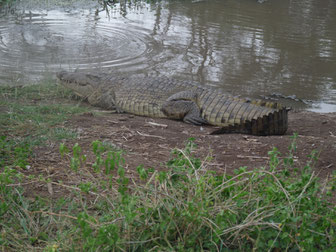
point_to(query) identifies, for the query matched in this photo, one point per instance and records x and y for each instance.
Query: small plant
(77, 158)
(113, 161)
(14, 153)
(98, 149)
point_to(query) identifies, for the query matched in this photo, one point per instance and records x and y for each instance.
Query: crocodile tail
(274, 123)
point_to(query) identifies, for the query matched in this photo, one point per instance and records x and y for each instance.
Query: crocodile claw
(195, 120)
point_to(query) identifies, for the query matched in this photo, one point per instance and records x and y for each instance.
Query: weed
(77, 159)
(14, 152)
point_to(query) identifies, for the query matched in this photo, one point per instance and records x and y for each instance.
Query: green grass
(280, 207)
(31, 115)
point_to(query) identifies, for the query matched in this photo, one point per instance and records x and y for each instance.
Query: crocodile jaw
(83, 85)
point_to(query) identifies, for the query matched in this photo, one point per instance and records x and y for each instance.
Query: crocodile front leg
(104, 99)
(188, 111)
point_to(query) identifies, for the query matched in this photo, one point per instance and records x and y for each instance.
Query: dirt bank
(149, 141)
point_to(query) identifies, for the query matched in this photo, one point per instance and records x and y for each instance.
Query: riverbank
(44, 116)
(149, 141)
(69, 166)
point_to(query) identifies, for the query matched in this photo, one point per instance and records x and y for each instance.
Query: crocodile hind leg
(187, 111)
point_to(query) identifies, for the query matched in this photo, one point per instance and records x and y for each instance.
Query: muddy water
(279, 49)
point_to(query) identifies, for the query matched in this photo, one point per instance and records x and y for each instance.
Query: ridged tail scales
(275, 123)
(250, 117)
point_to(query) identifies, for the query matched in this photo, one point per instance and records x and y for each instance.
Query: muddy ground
(149, 142)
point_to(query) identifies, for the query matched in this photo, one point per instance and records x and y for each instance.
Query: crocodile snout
(60, 75)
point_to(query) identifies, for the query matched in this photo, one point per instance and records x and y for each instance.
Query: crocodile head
(81, 83)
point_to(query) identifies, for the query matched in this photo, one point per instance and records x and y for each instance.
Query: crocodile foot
(187, 111)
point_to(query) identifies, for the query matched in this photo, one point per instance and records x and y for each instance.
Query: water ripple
(47, 42)
(243, 47)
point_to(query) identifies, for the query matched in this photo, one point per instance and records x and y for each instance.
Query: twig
(305, 187)
(146, 135)
(141, 242)
(252, 223)
(158, 124)
(70, 217)
(330, 165)
(316, 232)
(114, 221)
(77, 189)
(55, 214)
(255, 157)
(49, 185)
(112, 111)
(110, 121)
(30, 182)
(214, 164)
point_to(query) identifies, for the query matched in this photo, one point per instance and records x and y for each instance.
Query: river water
(279, 49)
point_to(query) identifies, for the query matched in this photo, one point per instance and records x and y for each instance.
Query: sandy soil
(149, 142)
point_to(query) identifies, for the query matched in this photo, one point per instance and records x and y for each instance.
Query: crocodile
(162, 97)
